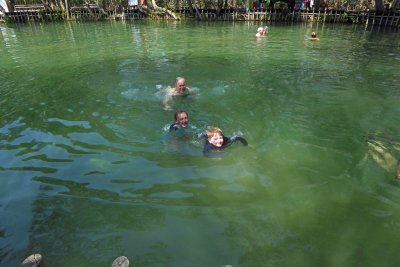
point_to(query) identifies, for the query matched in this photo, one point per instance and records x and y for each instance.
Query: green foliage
(7, 20)
(171, 4)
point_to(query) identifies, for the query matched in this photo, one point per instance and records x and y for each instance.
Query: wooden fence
(86, 12)
(130, 13)
(391, 19)
(23, 13)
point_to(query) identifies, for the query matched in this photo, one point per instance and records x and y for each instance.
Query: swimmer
(261, 31)
(181, 121)
(216, 141)
(179, 89)
(314, 37)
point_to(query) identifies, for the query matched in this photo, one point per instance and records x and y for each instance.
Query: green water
(87, 174)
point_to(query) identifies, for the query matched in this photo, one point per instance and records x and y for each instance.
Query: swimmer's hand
(167, 108)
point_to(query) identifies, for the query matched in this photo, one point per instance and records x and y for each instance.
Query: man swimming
(181, 121)
(179, 89)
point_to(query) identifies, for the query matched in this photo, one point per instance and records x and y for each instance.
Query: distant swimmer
(216, 141)
(314, 37)
(262, 31)
(179, 89)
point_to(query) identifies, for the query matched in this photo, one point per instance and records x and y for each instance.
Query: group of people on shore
(215, 141)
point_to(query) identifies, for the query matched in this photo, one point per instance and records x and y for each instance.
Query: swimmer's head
(180, 85)
(182, 118)
(314, 35)
(215, 137)
(260, 29)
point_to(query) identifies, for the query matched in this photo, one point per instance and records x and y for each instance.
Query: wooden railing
(92, 7)
(24, 13)
(28, 8)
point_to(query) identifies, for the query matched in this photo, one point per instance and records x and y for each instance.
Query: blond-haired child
(216, 141)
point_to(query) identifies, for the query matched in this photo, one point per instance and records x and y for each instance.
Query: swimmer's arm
(240, 139)
(167, 99)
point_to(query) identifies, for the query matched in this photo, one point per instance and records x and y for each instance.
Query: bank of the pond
(23, 14)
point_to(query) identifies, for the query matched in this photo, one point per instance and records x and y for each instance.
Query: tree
(169, 12)
(378, 5)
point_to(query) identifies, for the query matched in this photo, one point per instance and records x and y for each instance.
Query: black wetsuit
(179, 132)
(174, 127)
(209, 149)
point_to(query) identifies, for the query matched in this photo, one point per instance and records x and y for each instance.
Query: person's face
(180, 86)
(217, 140)
(182, 119)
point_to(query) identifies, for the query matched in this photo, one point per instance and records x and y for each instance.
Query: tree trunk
(191, 7)
(378, 5)
(12, 4)
(169, 12)
(393, 4)
(219, 7)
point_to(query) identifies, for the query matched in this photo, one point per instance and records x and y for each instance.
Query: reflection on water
(88, 171)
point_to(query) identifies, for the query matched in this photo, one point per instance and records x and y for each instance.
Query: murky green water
(86, 174)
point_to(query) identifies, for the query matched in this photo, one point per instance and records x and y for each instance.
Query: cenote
(87, 173)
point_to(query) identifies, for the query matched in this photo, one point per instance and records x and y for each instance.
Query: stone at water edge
(121, 261)
(33, 260)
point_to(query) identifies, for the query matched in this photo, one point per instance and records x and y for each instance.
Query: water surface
(87, 172)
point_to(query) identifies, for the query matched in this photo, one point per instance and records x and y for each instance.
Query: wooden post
(319, 13)
(292, 15)
(380, 21)
(391, 22)
(67, 9)
(312, 16)
(387, 19)
(373, 19)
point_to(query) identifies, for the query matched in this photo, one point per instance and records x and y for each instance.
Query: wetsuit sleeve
(240, 139)
(203, 136)
(210, 150)
(173, 127)
(230, 140)
(207, 148)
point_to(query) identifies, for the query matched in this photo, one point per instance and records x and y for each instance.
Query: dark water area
(88, 173)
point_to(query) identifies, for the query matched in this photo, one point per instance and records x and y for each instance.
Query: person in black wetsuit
(181, 121)
(216, 141)
(180, 128)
